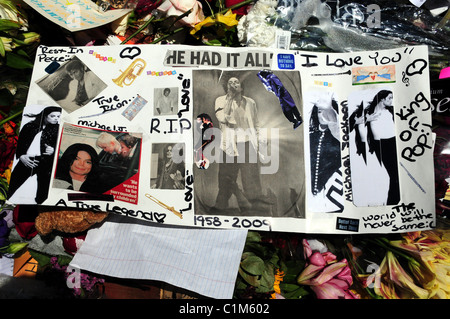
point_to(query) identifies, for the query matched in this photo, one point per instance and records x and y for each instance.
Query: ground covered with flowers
(273, 265)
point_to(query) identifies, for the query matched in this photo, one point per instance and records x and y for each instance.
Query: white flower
(254, 29)
(178, 7)
(9, 11)
(317, 245)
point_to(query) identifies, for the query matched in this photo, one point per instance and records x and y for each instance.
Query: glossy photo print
(373, 148)
(254, 150)
(324, 168)
(36, 150)
(98, 162)
(72, 85)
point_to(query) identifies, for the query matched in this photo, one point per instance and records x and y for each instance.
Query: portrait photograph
(35, 153)
(72, 85)
(168, 166)
(373, 150)
(96, 161)
(250, 125)
(166, 101)
(324, 170)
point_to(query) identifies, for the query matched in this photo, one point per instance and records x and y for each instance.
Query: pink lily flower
(328, 278)
(334, 289)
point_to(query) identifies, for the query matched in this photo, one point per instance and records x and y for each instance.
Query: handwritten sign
(261, 139)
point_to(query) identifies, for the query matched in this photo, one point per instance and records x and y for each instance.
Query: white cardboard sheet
(340, 187)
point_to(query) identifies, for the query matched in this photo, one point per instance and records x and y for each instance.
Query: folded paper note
(204, 261)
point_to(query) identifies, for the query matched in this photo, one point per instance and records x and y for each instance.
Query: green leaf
(23, 53)
(291, 291)
(293, 269)
(2, 49)
(288, 287)
(17, 61)
(16, 247)
(213, 42)
(7, 25)
(64, 260)
(267, 280)
(13, 248)
(240, 284)
(260, 249)
(253, 265)
(249, 278)
(41, 258)
(274, 260)
(253, 237)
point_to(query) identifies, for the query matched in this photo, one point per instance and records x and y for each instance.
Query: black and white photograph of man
(169, 167)
(72, 85)
(166, 101)
(373, 151)
(325, 176)
(252, 167)
(35, 153)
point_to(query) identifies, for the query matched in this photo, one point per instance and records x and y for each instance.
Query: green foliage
(13, 248)
(44, 260)
(219, 35)
(17, 44)
(259, 263)
(289, 287)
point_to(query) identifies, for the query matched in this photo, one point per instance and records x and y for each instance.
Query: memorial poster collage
(269, 140)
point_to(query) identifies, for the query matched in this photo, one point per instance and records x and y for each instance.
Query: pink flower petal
(329, 257)
(308, 273)
(329, 272)
(334, 289)
(307, 251)
(341, 284)
(328, 291)
(317, 259)
(346, 274)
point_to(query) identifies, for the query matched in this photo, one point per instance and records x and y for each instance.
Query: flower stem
(210, 9)
(149, 21)
(383, 242)
(233, 7)
(444, 20)
(138, 30)
(10, 117)
(167, 35)
(237, 6)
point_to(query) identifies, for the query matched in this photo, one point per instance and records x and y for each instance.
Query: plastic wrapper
(346, 26)
(440, 96)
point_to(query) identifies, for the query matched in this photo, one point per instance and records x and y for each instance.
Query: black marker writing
(185, 97)
(385, 59)
(417, 132)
